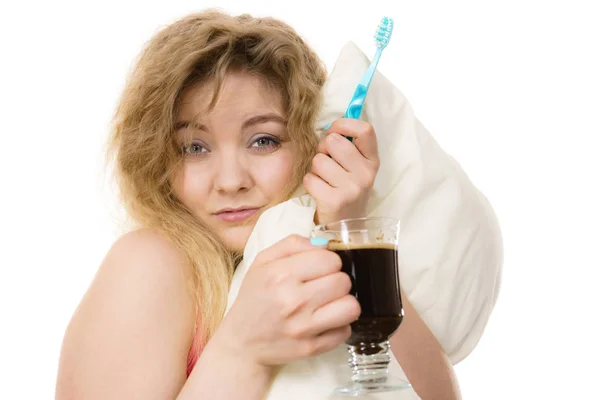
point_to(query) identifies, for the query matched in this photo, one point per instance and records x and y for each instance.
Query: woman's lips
(236, 215)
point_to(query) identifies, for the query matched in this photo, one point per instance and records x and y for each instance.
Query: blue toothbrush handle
(360, 93)
(356, 105)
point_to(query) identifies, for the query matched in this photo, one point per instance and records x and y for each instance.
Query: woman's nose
(231, 174)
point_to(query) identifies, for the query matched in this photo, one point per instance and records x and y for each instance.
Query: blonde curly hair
(199, 48)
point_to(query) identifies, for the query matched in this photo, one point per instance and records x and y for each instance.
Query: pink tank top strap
(196, 348)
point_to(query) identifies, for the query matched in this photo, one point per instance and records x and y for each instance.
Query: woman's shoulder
(146, 259)
(145, 244)
(141, 274)
(139, 303)
(144, 266)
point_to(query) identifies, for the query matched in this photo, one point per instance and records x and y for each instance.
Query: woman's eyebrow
(254, 120)
(189, 124)
(261, 118)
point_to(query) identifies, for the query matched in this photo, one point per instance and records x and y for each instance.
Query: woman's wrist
(229, 348)
(224, 372)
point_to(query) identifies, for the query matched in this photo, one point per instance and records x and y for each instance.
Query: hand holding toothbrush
(343, 171)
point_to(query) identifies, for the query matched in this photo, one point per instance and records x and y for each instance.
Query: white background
(509, 88)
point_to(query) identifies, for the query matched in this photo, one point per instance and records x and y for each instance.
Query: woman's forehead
(241, 96)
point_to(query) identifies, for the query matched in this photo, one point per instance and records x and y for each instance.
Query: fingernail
(319, 241)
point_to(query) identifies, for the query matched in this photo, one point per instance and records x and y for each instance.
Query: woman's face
(238, 159)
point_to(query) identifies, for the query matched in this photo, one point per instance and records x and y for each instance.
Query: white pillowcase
(450, 243)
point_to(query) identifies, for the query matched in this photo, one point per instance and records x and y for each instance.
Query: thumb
(287, 247)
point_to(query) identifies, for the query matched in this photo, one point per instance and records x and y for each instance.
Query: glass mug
(368, 248)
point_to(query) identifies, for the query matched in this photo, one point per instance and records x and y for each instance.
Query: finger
(317, 187)
(326, 289)
(363, 133)
(345, 153)
(322, 146)
(310, 265)
(286, 247)
(336, 314)
(329, 170)
(331, 339)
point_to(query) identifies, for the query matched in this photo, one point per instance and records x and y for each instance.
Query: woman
(215, 126)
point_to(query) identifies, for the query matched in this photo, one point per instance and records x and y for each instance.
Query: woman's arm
(220, 374)
(422, 359)
(130, 336)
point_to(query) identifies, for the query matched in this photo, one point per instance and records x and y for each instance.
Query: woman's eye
(193, 149)
(265, 143)
(262, 142)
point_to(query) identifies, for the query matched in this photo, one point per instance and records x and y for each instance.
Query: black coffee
(373, 270)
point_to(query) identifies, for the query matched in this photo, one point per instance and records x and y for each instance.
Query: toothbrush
(382, 38)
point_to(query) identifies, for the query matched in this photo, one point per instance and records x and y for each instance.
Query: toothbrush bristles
(384, 32)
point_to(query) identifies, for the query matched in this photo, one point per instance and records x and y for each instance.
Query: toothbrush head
(384, 32)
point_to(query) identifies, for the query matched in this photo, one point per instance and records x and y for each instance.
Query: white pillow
(450, 243)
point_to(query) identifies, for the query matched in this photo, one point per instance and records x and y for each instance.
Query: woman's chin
(235, 238)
